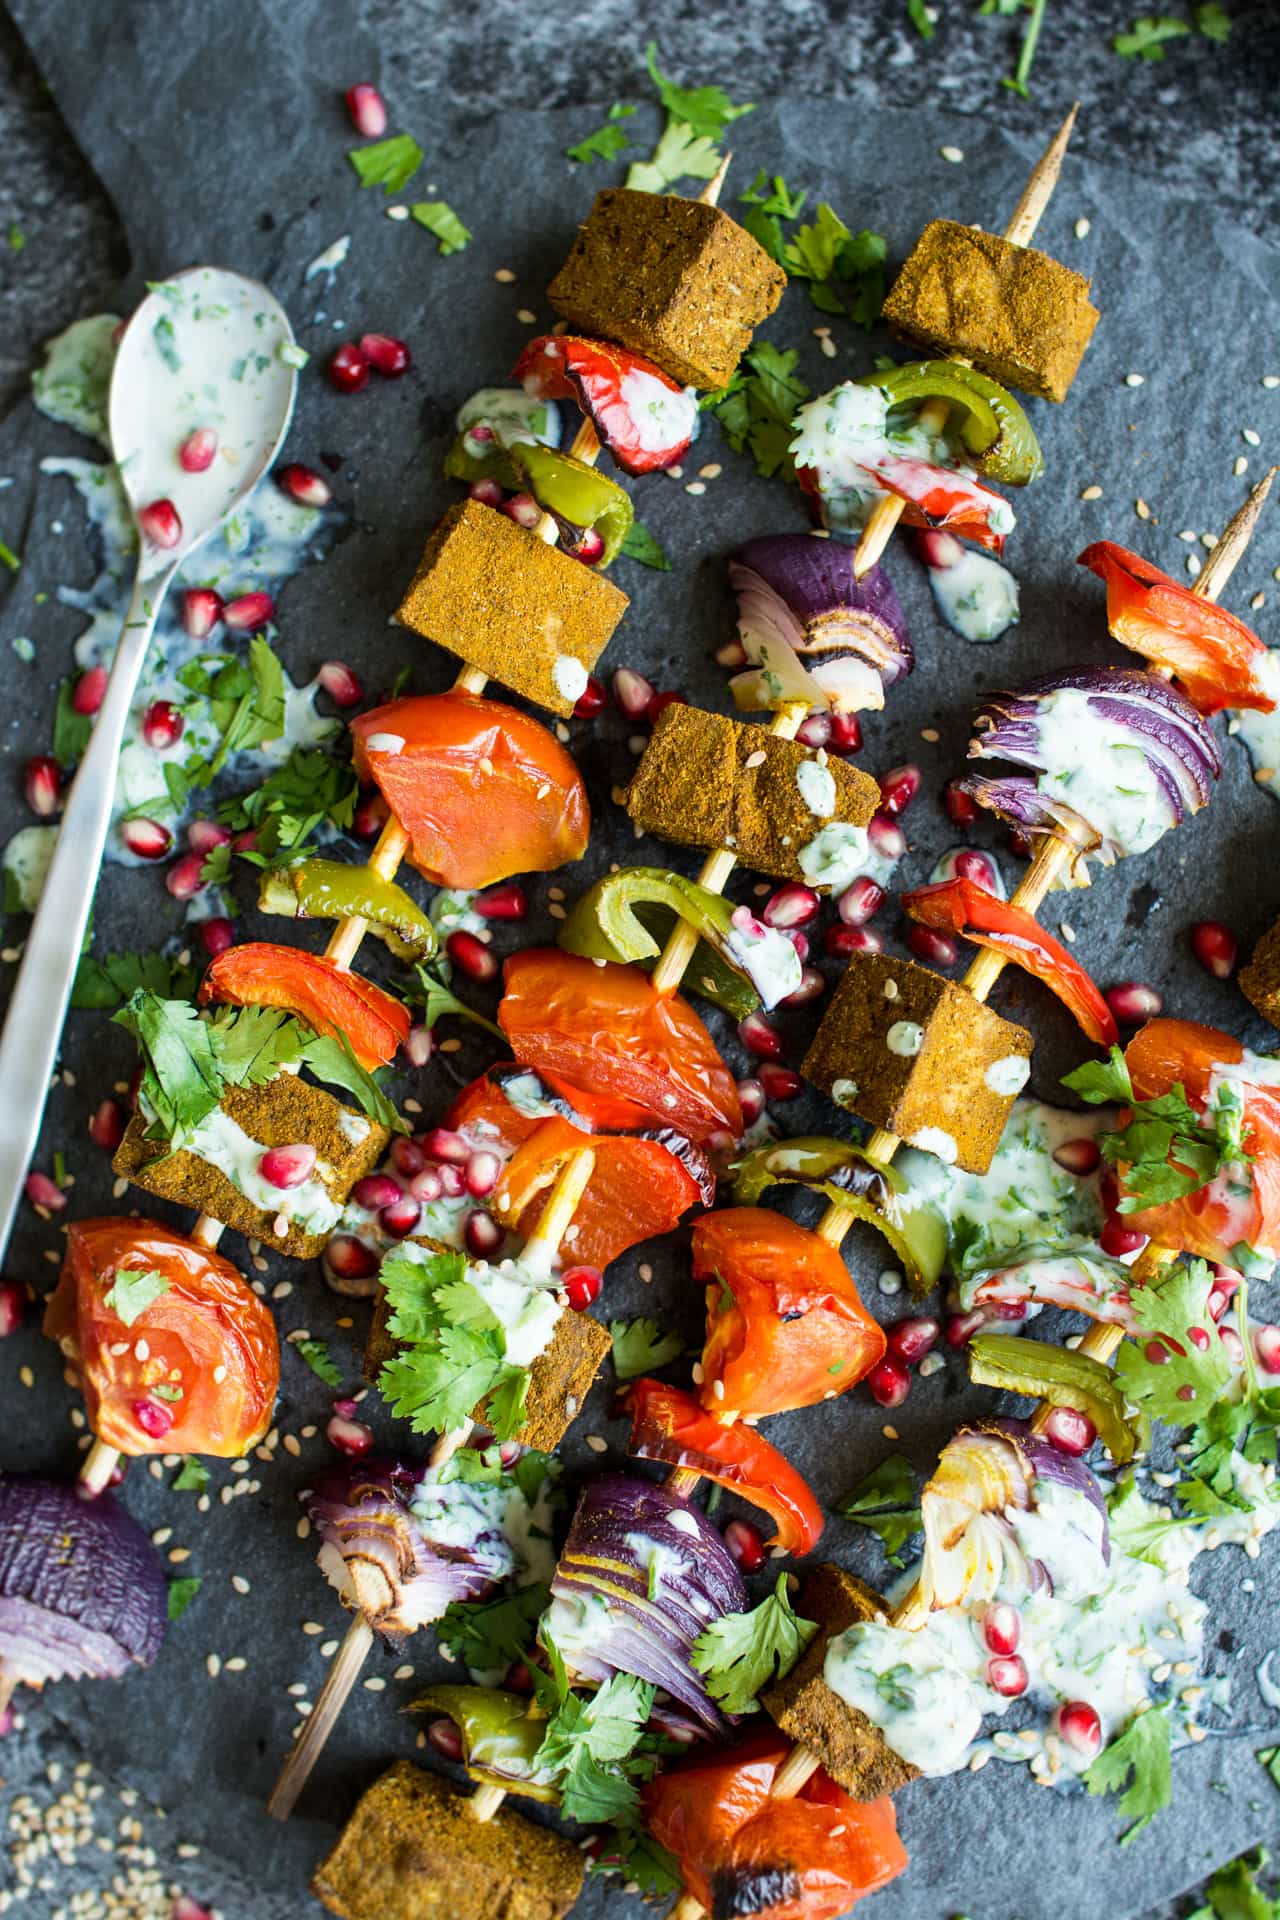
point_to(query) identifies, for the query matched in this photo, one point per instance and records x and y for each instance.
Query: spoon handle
(38, 1007)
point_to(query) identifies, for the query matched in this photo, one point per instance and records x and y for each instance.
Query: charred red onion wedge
(812, 630)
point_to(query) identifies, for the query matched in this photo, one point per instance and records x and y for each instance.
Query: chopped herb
(1168, 1148)
(452, 1354)
(757, 407)
(60, 1169)
(439, 218)
(827, 254)
(640, 1346)
(1269, 1758)
(17, 238)
(705, 110)
(436, 999)
(71, 730)
(887, 1502)
(1211, 22)
(488, 1634)
(640, 1860)
(389, 164)
(181, 1594)
(643, 546)
(107, 983)
(193, 1476)
(1137, 1527)
(1139, 1755)
(769, 202)
(316, 1355)
(9, 558)
(743, 1652)
(1017, 81)
(1146, 38)
(680, 154)
(590, 1743)
(1234, 1894)
(607, 142)
(312, 789)
(1184, 1384)
(215, 869)
(921, 18)
(132, 1291)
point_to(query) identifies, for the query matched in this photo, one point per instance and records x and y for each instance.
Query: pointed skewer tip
(710, 195)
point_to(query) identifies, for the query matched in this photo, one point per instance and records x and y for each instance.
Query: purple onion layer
(805, 617)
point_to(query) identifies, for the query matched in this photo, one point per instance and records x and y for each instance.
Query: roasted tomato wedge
(741, 1852)
(638, 411)
(1217, 661)
(175, 1352)
(670, 1426)
(481, 790)
(327, 997)
(638, 1187)
(1240, 1208)
(785, 1325)
(606, 1030)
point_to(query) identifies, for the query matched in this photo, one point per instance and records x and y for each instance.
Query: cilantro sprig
(607, 142)
(1140, 1757)
(590, 1746)
(439, 219)
(887, 1502)
(452, 1355)
(757, 407)
(687, 148)
(1149, 35)
(315, 787)
(641, 1346)
(826, 254)
(437, 998)
(1177, 1368)
(742, 1652)
(488, 1635)
(1169, 1149)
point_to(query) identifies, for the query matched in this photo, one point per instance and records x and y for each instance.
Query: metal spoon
(204, 350)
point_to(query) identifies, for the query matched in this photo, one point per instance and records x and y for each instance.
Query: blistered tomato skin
(195, 1371)
(329, 998)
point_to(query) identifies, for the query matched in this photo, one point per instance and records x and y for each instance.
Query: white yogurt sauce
(765, 955)
(569, 676)
(817, 786)
(225, 1145)
(977, 596)
(516, 1536)
(522, 1299)
(1260, 732)
(661, 418)
(1101, 772)
(1008, 1075)
(836, 856)
(71, 387)
(26, 866)
(513, 415)
(934, 1140)
(905, 1038)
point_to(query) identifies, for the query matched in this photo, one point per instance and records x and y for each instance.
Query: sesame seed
(303, 1529)
(1190, 535)
(930, 734)
(931, 1364)
(312, 1627)
(954, 154)
(141, 1350)
(1250, 438)
(674, 473)
(890, 1433)
(828, 346)
(292, 1445)
(1067, 931)
(526, 316)
(1241, 467)
(696, 486)
(239, 1582)
(26, 1376)
(756, 759)
(238, 1664)
(397, 213)
(327, 1649)
(1135, 379)
(120, 1188)
(1193, 564)
(1092, 493)
(403, 1673)
(162, 1536)
(178, 1555)
(646, 1272)
(597, 1443)
(219, 1375)
(711, 471)
(504, 276)
(213, 1666)
(1258, 601)
(285, 1287)
(1082, 228)
(375, 1684)
(1141, 508)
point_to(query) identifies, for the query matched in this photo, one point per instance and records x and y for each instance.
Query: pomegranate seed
(441, 1143)
(407, 1157)
(215, 934)
(348, 369)
(800, 941)
(732, 655)
(889, 1381)
(401, 1217)
(791, 906)
(41, 785)
(375, 1191)
(199, 609)
(482, 1234)
(250, 611)
(1266, 1346)
(13, 1305)
(427, 1186)
(846, 733)
(659, 704)
(369, 118)
(288, 1166)
(746, 1545)
(349, 1258)
(481, 1173)
(106, 1128)
(899, 787)
(507, 901)
(1198, 1338)
(980, 868)
(370, 816)
(420, 1045)
(1080, 1156)
(589, 548)
(760, 1036)
(154, 1419)
(1070, 1430)
(1080, 1728)
(932, 947)
(812, 987)
(487, 492)
(351, 1437)
(815, 731)
(591, 699)
(961, 1327)
(962, 808)
(1214, 946)
(840, 942)
(387, 356)
(779, 1083)
(472, 955)
(1012, 1310)
(303, 484)
(340, 683)
(582, 1286)
(480, 433)
(195, 455)
(1156, 1353)
(911, 1339)
(162, 725)
(937, 549)
(183, 878)
(146, 838)
(1001, 1627)
(632, 692)
(1234, 1345)
(1007, 1677)
(860, 901)
(1118, 1240)
(887, 837)
(1217, 1304)
(453, 1182)
(751, 1100)
(446, 1738)
(523, 509)
(160, 523)
(87, 694)
(204, 835)
(1020, 842)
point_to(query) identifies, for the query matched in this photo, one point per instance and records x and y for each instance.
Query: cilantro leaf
(918, 14)
(254, 1044)
(1269, 1757)
(315, 1353)
(742, 1652)
(631, 1852)
(193, 1476)
(887, 1503)
(1169, 1150)
(488, 1634)
(1145, 39)
(757, 407)
(389, 164)
(643, 546)
(181, 1080)
(587, 1739)
(109, 982)
(132, 1291)
(435, 999)
(1140, 1756)
(679, 155)
(1211, 22)
(439, 218)
(1234, 1893)
(181, 1594)
(1188, 1380)
(772, 195)
(641, 1346)
(313, 788)
(444, 1370)
(330, 1058)
(1137, 1527)
(811, 253)
(71, 730)
(706, 110)
(607, 142)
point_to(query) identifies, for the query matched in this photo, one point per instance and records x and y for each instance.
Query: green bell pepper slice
(1062, 1377)
(461, 463)
(329, 890)
(868, 1189)
(993, 429)
(501, 1736)
(573, 491)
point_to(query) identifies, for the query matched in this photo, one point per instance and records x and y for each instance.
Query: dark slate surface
(260, 182)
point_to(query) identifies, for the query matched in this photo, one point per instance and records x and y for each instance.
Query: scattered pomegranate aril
(899, 787)
(937, 549)
(889, 1381)
(249, 611)
(591, 700)
(814, 731)
(780, 1083)
(961, 1327)
(481, 1173)
(581, 1286)
(154, 1419)
(812, 987)
(507, 901)
(1007, 1677)
(161, 523)
(961, 807)
(1214, 946)
(910, 1339)
(89, 690)
(195, 455)
(106, 1125)
(846, 733)
(589, 547)
(1080, 1728)
(746, 1545)
(386, 355)
(446, 1738)
(13, 1305)
(1069, 1430)
(1020, 842)
(792, 905)
(442, 1143)
(199, 610)
(340, 683)
(1118, 1240)
(523, 509)
(370, 816)
(147, 839)
(751, 1100)
(203, 835)
(349, 1258)
(759, 1036)
(481, 1234)
(42, 785)
(486, 492)
(632, 693)
(1217, 1304)
(1014, 1311)
(288, 1166)
(472, 955)
(215, 934)
(162, 725)
(1266, 1346)
(861, 900)
(375, 1191)
(303, 484)
(932, 947)
(183, 878)
(401, 1217)
(1156, 1353)
(351, 1437)
(659, 704)
(1080, 1156)
(980, 868)
(407, 1156)
(840, 942)
(1002, 1627)
(1234, 1345)
(887, 837)
(348, 369)
(369, 118)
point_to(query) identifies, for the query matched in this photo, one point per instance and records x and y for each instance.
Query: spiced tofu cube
(706, 781)
(519, 611)
(673, 279)
(218, 1176)
(851, 1748)
(412, 1850)
(919, 1056)
(1260, 980)
(1018, 315)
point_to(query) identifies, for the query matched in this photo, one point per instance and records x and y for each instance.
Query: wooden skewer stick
(1036, 196)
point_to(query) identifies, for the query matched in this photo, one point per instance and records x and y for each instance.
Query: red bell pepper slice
(607, 1030)
(1216, 659)
(963, 907)
(639, 412)
(1215, 1219)
(482, 791)
(324, 995)
(209, 1369)
(785, 1324)
(669, 1425)
(742, 1852)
